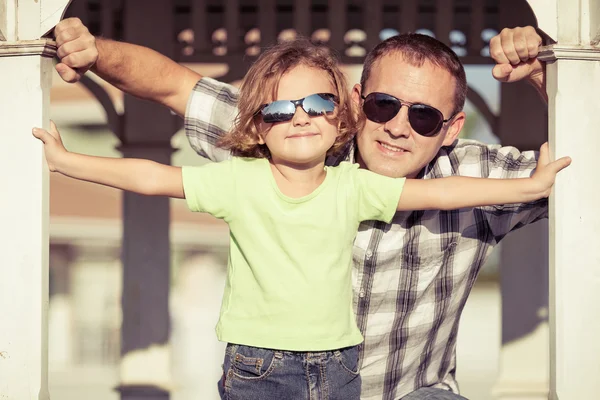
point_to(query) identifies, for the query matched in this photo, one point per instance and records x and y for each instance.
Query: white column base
(524, 368)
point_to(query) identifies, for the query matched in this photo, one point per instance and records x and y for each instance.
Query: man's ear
(454, 129)
(356, 100)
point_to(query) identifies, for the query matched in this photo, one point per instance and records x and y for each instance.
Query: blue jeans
(432, 394)
(251, 373)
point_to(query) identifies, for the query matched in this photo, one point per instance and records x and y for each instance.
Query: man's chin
(385, 166)
(393, 171)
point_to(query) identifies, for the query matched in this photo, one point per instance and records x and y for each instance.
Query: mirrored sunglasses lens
(379, 107)
(425, 120)
(278, 111)
(318, 104)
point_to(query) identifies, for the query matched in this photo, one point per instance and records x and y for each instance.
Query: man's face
(393, 148)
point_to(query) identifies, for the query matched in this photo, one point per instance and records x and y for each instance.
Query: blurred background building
(89, 253)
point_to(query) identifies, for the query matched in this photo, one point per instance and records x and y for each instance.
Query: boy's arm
(134, 69)
(465, 192)
(135, 175)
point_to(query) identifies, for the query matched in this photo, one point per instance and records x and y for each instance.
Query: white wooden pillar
(573, 84)
(25, 79)
(523, 372)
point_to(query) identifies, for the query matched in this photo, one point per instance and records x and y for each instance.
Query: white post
(573, 82)
(25, 79)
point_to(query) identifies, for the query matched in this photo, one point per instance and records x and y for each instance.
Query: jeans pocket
(253, 363)
(348, 359)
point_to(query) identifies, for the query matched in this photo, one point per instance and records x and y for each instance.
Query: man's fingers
(534, 41)
(69, 29)
(508, 46)
(501, 72)
(66, 24)
(72, 46)
(496, 51)
(67, 73)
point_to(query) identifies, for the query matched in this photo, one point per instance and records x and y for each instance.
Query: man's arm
(134, 69)
(515, 52)
(148, 74)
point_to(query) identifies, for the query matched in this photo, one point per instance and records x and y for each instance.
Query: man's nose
(399, 125)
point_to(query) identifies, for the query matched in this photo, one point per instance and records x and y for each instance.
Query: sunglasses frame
(403, 103)
(300, 102)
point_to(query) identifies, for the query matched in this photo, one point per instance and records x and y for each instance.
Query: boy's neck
(298, 180)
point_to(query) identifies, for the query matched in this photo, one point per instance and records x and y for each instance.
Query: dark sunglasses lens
(278, 111)
(318, 104)
(379, 107)
(425, 120)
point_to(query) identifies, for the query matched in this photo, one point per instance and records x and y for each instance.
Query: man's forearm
(539, 83)
(145, 73)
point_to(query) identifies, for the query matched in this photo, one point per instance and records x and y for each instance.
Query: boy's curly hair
(260, 87)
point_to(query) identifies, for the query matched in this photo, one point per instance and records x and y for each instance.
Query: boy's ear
(261, 130)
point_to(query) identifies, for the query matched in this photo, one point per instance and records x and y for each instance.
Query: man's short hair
(416, 48)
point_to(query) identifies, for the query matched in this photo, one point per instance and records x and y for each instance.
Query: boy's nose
(300, 117)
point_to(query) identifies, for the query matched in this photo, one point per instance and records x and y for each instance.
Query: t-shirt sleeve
(377, 195)
(211, 110)
(210, 188)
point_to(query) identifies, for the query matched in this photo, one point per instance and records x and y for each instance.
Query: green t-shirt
(289, 272)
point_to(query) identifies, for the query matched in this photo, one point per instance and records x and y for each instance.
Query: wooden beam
(267, 17)
(409, 16)
(302, 17)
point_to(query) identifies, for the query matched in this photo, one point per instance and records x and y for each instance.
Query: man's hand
(76, 49)
(515, 52)
(545, 172)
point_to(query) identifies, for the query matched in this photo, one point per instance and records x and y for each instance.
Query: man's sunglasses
(284, 110)
(424, 119)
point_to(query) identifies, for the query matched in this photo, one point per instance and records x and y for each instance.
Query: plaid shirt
(412, 277)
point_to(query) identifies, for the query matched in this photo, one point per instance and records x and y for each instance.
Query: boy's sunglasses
(424, 119)
(284, 110)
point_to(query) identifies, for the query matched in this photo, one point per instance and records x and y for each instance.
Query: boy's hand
(546, 171)
(515, 52)
(76, 49)
(53, 146)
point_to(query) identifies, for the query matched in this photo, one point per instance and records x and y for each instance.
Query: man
(412, 277)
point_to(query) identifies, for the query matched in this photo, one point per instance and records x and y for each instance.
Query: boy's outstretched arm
(463, 192)
(135, 175)
(134, 69)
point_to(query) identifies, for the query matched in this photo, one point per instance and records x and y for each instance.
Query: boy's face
(303, 140)
(393, 148)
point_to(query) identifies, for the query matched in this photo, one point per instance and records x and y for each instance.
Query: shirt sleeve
(507, 163)
(377, 195)
(210, 112)
(210, 188)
